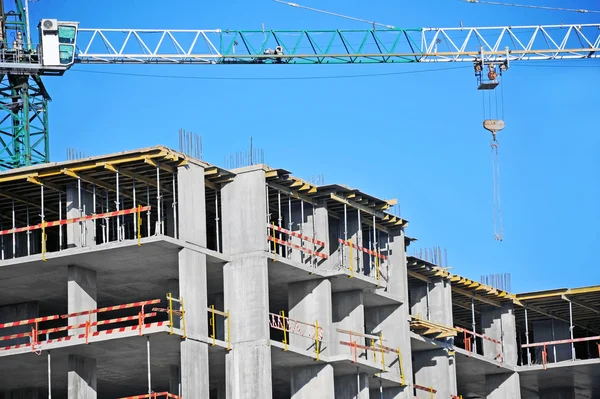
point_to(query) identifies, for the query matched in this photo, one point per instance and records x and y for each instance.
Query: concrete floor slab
(581, 375)
(126, 272)
(121, 365)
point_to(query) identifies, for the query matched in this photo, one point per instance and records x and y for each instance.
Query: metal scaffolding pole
(60, 227)
(118, 204)
(217, 219)
(148, 213)
(473, 324)
(359, 242)
(345, 232)
(302, 255)
(49, 376)
(158, 201)
(149, 373)
(290, 224)
(94, 211)
(43, 217)
(28, 233)
(313, 259)
(279, 220)
(14, 237)
(527, 338)
(136, 215)
(175, 235)
(571, 328)
(80, 210)
(107, 220)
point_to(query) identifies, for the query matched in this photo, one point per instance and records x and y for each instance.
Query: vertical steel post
(28, 233)
(345, 232)
(43, 217)
(571, 328)
(473, 325)
(148, 213)
(149, 374)
(290, 224)
(428, 300)
(14, 237)
(118, 204)
(357, 381)
(107, 220)
(94, 211)
(279, 220)
(158, 201)
(135, 224)
(359, 242)
(217, 219)
(553, 338)
(49, 376)
(175, 235)
(313, 259)
(80, 210)
(1, 241)
(302, 254)
(527, 338)
(60, 227)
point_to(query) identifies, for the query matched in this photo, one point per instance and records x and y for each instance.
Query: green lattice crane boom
(24, 138)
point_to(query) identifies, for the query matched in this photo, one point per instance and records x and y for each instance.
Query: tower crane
(24, 134)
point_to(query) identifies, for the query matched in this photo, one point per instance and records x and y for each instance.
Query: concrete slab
(126, 272)
(471, 371)
(581, 375)
(121, 365)
(418, 343)
(377, 297)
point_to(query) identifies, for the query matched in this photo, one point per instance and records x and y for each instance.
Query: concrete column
(81, 296)
(82, 378)
(312, 382)
(419, 306)
(348, 314)
(499, 323)
(19, 311)
(81, 234)
(352, 387)
(191, 204)
(248, 366)
(194, 354)
(321, 232)
(358, 257)
(558, 393)
(174, 380)
(393, 323)
(244, 208)
(502, 386)
(309, 302)
(434, 369)
(440, 302)
(551, 330)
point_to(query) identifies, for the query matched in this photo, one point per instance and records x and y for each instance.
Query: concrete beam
(82, 295)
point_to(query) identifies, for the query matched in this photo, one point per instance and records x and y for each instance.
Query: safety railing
(469, 336)
(176, 312)
(375, 344)
(429, 328)
(378, 261)
(430, 390)
(137, 322)
(300, 328)
(285, 239)
(44, 225)
(543, 345)
(213, 325)
(154, 395)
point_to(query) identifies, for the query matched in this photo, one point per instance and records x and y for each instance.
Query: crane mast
(24, 134)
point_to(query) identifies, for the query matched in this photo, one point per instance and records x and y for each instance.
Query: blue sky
(416, 137)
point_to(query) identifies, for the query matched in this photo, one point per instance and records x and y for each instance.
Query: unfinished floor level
(150, 274)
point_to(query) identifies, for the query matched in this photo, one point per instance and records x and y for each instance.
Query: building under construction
(151, 274)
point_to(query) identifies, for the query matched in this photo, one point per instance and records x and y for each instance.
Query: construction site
(149, 257)
(152, 273)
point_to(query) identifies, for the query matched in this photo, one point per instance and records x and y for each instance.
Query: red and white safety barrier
(365, 250)
(298, 247)
(297, 235)
(155, 395)
(561, 341)
(93, 216)
(295, 327)
(86, 336)
(111, 308)
(29, 321)
(460, 329)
